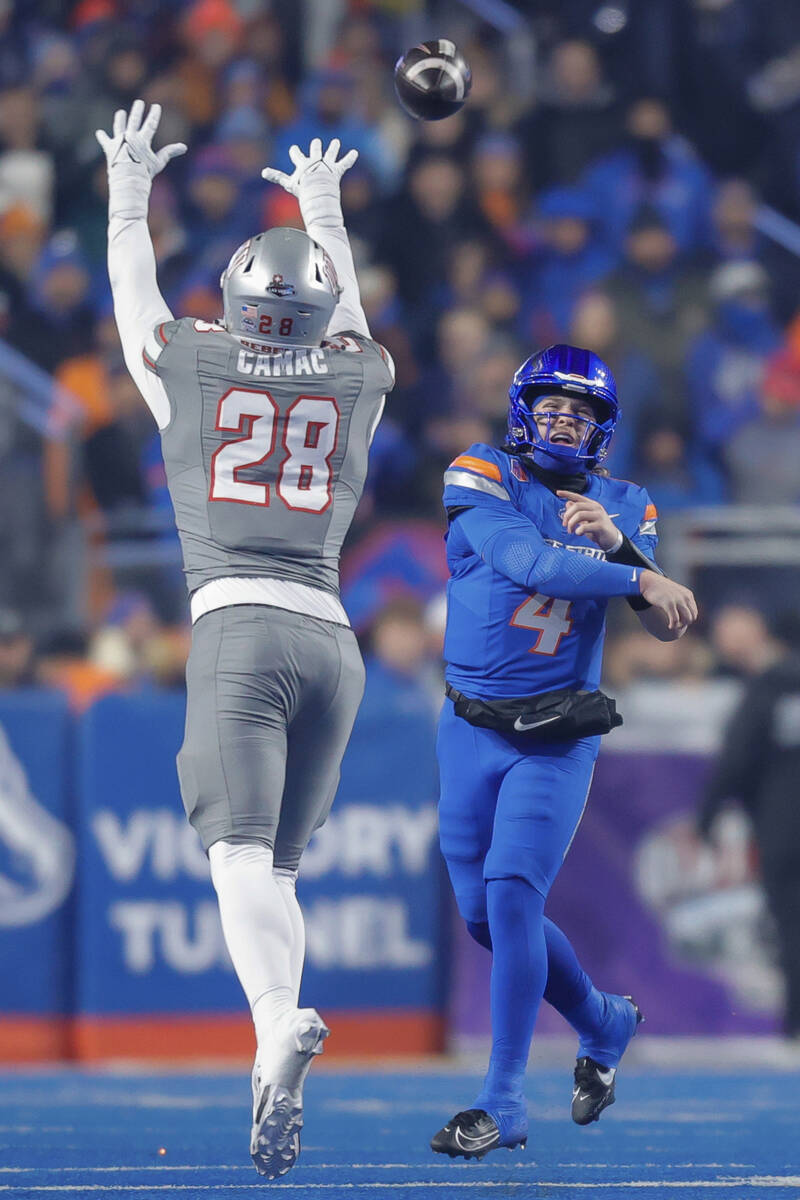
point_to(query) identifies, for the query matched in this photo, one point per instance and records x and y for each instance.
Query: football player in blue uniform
(540, 537)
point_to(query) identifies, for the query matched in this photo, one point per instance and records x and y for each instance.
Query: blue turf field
(71, 1133)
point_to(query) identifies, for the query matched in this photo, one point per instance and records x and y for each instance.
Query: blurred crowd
(674, 695)
(625, 177)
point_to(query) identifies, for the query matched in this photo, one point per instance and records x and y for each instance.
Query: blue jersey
(527, 601)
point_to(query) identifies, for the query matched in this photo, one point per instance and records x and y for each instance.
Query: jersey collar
(577, 481)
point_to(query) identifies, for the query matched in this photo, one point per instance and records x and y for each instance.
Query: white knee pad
(236, 854)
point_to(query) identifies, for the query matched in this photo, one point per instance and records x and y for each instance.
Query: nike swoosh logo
(578, 1095)
(522, 726)
(468, 1143)
(612, 515)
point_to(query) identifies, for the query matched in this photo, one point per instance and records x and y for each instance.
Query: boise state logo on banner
(37, 852)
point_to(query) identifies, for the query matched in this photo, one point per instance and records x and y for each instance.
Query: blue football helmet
(564, 371)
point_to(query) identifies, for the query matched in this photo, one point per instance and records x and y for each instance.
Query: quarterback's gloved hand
(130, 142)
(315, 181)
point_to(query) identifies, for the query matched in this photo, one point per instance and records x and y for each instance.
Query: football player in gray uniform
(266, 419)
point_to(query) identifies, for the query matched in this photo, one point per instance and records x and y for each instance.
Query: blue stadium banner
(370, 880)
(153, 967)
(37, 872)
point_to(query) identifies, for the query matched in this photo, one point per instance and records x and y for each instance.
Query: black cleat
(593, 1091)
(470, 1134)
(594, 1083)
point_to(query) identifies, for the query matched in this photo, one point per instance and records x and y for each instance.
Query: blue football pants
(507, 815)
(508, 807)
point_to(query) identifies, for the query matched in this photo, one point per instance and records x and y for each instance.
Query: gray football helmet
(280, 287)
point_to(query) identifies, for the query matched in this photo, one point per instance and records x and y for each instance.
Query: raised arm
(138, 304)
(316, 183)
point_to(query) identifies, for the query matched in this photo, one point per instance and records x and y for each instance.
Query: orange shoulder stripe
(650, 513)
(480, 465)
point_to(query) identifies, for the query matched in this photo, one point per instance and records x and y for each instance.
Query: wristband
(632, 556)
(320, 204)
(128, 191)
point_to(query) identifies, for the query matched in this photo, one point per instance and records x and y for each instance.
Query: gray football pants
(271, 700)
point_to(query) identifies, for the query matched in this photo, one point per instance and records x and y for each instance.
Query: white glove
(315, 181)
(130, 142)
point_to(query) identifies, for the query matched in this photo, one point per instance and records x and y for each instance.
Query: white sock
(286, 880)
(257, 928)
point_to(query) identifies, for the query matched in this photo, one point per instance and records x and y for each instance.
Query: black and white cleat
(470, 1134)
(593, 1089)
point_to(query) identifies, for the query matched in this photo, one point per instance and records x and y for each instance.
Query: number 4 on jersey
(549, 616)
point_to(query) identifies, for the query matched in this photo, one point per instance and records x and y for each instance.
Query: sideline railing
(730, 536)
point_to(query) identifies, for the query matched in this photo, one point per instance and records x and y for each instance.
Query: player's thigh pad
(471, 766)
(328, 661)
(246, 677)
(539, 807)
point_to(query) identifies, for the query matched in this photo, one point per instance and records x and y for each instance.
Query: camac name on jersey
(282, 362)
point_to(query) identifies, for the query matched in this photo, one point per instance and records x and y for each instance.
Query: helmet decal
(278, 287)
(238, 257)
(249, 318)
(330, 273)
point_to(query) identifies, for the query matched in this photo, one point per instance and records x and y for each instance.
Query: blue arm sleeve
(513, 546)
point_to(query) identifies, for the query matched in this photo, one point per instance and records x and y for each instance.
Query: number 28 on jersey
(304, 438)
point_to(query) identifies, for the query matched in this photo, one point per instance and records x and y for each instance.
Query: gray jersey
(266, 449)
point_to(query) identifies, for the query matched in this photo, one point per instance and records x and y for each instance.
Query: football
(432, 80)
